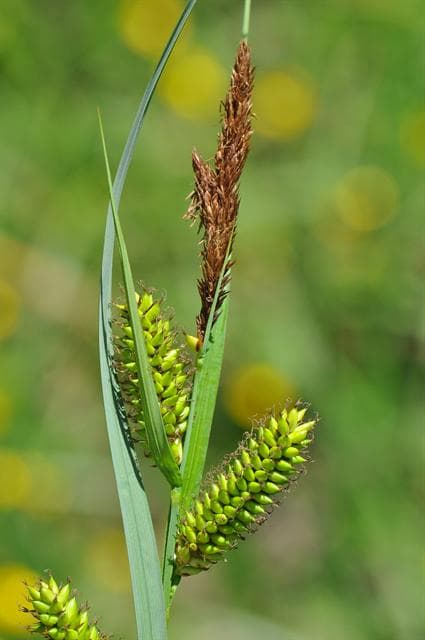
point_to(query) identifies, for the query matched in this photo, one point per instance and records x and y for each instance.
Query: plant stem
(246, 19)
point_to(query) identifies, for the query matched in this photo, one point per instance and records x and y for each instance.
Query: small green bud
(263, 499)
(241, 484)
(41, 607)
(254, 487)
(191, 520)
(249, 474)
(221, 519)
(268, 464)
(245, 517)
(48, 620)
(222, 482)
(245, 459)
(273, 425)
(229, 511)
(33, 593)
(275, 453)
(283, 465)
(216, 507)
(237, 467)
(301, 414)
(261, 475)
(47, 595)
(297, 436)
(283, 426)
(254, 508)
(219, 540)
(94, 634)
(293, 418)
(256, 462)
(290, 452)
(190, 534)
(263, 450)
(56, 634)
(224, 497)
(70, 615)
(271, 488)
(269, 438)
(231, 486)
(278, 478)
(214, 490)
(202, 537)
(194, 343)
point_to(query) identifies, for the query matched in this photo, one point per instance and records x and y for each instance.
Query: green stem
(246, 19)
(170, 541)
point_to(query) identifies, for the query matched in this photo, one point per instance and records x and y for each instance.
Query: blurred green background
(326, 303)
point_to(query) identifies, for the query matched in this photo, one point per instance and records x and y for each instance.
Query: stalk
(246, 19)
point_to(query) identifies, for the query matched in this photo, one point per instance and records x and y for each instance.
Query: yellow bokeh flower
(412, 136)
(193, 84)
(106, 559)
(9, 309)
(12, 595)
(145, 25)
(253, 389)
(15, 480)
(285, 104)
(366, 198)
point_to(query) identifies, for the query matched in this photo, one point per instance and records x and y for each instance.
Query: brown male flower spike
(215, 199)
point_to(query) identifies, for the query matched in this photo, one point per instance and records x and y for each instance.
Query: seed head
(240, 496)
(215, 199)
(57, 614)
(169, 371)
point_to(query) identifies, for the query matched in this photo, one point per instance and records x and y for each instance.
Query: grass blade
(138, 528)
(137, 521)
(202, 406)
(155, 430)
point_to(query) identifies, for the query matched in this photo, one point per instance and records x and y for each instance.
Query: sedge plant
(160, 388)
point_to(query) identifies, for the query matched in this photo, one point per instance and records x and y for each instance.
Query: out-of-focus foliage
(326, 300)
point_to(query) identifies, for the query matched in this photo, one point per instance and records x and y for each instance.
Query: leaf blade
(144, 588)
(155, 430)
(205, 385)
(139, 533)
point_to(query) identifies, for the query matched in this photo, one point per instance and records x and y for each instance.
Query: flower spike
(240, 496)
(169, 371)
(57, 614)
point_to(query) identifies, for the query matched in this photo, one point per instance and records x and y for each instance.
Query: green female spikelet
(169, 371)
(240, 496)
(57, 613)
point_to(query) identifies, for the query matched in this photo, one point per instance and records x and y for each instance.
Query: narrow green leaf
(204, 398)
(141, 546)
(137, 521)
(202, 406)
(155, 430)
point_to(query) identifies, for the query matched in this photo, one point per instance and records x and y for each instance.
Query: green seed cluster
(239, 497)
(169, 371)
(57, 613)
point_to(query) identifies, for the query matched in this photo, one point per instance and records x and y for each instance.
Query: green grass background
(327, 300)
